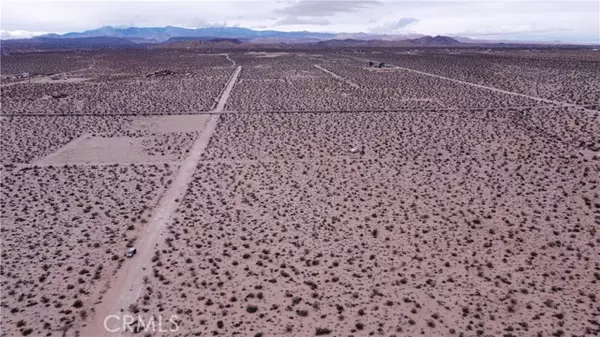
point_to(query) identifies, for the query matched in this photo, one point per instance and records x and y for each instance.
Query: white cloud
(312, 8)
(295, 20)
(394, 26)
(18, 34)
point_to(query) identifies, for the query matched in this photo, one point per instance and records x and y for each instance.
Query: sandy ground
(486, 87)
(54, 78)
(289, 83)
(385, 247)
(112, 86)
(56, 81)
(124, 150)
(266, 54)
(167, 124)
(404, 134)
(338, 77)
(479, 218)
(129, 284)
(227, 91)
(25, 139)
(65, 232)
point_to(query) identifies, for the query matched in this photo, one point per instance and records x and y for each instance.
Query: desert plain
(301, 193)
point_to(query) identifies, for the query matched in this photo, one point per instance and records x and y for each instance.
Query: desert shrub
(322, 331)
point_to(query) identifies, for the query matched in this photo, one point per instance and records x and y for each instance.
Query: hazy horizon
(563, 21)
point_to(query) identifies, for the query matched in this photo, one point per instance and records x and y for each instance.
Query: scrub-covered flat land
(323, 192)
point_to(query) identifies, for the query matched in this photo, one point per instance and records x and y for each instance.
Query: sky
(565, 20)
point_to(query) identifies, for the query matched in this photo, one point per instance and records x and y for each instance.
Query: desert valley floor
(301, 193)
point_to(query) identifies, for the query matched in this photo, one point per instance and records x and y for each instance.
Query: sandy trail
(539, 99)
(230, 60)
(128, 282)
(350, 83)
(223, 54)
(225, 94)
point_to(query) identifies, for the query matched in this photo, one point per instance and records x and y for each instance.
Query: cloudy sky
(565, 20)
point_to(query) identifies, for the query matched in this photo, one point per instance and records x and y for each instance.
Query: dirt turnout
(102, 150)
(296, 194)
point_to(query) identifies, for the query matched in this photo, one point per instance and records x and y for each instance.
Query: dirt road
(128, 283)
(225, 94)
(539, 99)
(223, 54)
(350, 83)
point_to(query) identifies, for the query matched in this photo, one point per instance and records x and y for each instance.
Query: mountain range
(235, 37)
(423, 41)
(162, 34)
(178, 34)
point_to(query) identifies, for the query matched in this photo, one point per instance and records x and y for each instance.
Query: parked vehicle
(131, 252)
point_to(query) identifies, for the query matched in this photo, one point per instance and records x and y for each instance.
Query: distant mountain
(436, 41)
(208, 37)
(76, 41)
(145, 35)
(162, 34)
(199, 42)
(203, 39)
(384, 37)
(424, 41)
(485, 41)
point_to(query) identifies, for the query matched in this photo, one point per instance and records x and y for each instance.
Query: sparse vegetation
(385, 215)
